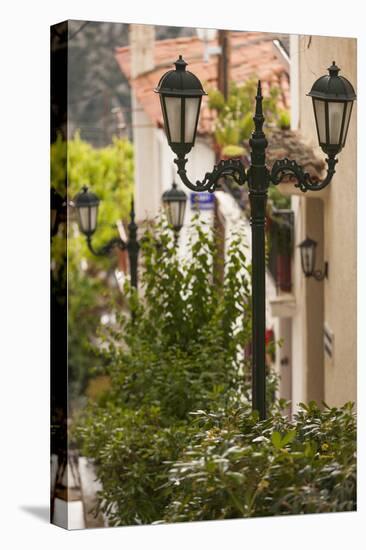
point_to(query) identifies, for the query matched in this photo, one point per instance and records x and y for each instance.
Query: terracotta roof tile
(252, 55)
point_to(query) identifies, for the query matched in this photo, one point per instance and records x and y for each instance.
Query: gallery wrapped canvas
(203, 264)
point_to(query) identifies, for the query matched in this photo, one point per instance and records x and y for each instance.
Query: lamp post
(181, 94)
(308, 256)
(86, 204)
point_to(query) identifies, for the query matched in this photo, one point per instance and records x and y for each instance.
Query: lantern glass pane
(173, 111)
(308, 259)
(191, 111)
(88, 218)
(319, 108)
(335, 121)
(346, 121)
(172, 212)
(84, 218)
(182, 211)
(93, 217)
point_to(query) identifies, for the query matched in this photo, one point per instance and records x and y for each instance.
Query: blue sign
(202, 201)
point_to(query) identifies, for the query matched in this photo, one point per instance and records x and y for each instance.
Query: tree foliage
(234, 123)
(108, 171)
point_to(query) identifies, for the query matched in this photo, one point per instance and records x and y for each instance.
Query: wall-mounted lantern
(308, 260)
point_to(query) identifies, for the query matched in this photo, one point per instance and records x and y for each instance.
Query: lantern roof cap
(174, 194)
(86, 198)
(333, 87)
(307, 243)
(180, 82)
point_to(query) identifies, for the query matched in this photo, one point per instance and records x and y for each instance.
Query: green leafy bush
(222, 464)
(186, 336)
(237, 467)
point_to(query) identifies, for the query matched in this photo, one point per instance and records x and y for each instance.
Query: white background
(24, 273)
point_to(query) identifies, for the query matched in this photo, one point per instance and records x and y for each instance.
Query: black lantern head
(308, 252)
(86, 204)
(333, 97)
(56, 208)
(180, 97)
(175, 202)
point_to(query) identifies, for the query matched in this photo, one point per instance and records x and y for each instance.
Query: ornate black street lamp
(333, 98)
(86, 204)
(180, 96)
(175, 202)
(308, 258)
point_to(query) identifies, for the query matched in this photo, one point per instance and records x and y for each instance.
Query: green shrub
(132, 451)
(186, 337)
(237, 467)
(223, 463)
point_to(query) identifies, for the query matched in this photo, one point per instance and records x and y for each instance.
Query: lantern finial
(180, 64)
(333, 69)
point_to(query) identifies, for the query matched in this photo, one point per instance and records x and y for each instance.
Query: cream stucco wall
(148, 187)
(299, 336)
(315, 54)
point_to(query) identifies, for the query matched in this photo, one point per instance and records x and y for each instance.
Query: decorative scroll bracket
(284, 167)
(230, 167)
(107, 248)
